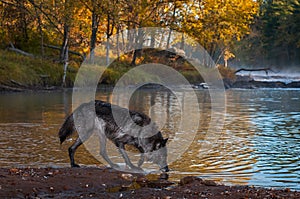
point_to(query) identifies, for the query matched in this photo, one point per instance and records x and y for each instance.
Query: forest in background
(274, 36)
(250, 33)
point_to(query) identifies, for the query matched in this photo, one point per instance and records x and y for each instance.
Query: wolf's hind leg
(72, 150)
(76, 144)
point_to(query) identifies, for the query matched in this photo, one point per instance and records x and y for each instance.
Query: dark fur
(149, 142)
(67, 129)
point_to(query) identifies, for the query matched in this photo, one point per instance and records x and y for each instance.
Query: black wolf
(136, 129)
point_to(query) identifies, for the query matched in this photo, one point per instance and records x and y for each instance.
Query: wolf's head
(157, 151)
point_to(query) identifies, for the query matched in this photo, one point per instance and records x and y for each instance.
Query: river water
(259, 143)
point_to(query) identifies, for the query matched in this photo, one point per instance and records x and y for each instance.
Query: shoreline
(5, 89)
(228, 84)
(253, 84)
(100, 182)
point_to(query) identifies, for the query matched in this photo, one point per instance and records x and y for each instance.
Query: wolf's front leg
(100, 129)
(102, 140)
(142, 159)
(126, 158)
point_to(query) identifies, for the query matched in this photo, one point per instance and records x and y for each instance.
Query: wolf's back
(66, 129)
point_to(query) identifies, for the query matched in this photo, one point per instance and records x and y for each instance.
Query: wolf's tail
(66, 129)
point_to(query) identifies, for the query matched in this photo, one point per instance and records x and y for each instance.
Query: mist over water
(285, 75)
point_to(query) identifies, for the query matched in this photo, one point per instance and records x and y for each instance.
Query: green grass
(89, 73)
(29, 71)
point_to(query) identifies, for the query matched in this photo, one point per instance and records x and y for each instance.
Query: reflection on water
(259, 144)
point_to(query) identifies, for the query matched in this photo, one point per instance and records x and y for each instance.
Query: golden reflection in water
(228, 155)
(259, 139)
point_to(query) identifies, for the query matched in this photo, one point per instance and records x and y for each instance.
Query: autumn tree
(16, 26)
(79, 25)
(137, 14)
(218, 24)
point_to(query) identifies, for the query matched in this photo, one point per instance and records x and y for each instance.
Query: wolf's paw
(136, 169)
(75, 166)
(115, 166)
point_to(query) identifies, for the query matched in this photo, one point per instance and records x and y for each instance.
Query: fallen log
(8, 88)
(20, 85)
(252, 70)
(12, 48)
(70, 51)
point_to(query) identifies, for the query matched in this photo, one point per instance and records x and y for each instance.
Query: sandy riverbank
(107, 183)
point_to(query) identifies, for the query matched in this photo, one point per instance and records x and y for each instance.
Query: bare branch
(46, 15)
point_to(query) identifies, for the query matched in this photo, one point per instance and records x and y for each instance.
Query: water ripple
(259, 144)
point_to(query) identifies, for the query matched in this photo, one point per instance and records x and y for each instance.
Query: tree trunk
(129, 36)
(138, 46)
(222, 54)
(24, 20)
(161, 40)
(170, 30)
(64, 53)
(133, 62)
(182, 43)
(66, 62)
(65, 44)
(109, 31)
(95, 23)
(39, 16)
(225, 63)
(123, 42)
(169, 38)
(118, 42)
(107, 49)
(107, 39)
(152, 43)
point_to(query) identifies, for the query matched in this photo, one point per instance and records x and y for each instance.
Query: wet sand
(107, 183)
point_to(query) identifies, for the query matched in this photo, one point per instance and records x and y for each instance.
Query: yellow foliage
(226, 72)
(209, 22)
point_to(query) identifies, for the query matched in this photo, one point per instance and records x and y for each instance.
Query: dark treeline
(274, 39)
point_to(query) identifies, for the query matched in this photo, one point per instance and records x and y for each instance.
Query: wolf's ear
(137, 119)
(165, 142)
